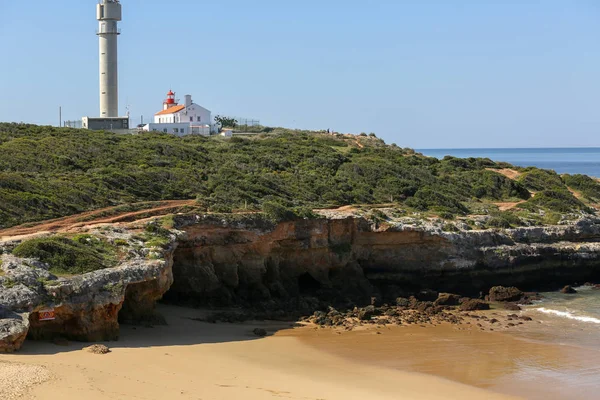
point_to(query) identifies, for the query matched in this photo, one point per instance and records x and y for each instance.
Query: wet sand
(505, 362)
(194, 360)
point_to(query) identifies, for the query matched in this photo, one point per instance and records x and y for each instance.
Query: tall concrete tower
(108, 14)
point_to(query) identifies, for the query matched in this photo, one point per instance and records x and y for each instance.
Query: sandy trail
(507, 172)
(503, 206)
(88, 218)
(194, 360)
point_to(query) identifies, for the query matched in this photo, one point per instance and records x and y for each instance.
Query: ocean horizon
(563, 160)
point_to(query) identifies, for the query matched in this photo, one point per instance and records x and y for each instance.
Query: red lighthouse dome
(170, 97)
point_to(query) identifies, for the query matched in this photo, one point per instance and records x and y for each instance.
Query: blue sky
(423, 74)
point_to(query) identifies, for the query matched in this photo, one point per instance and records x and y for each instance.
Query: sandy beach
(524, 361)
(194, 360)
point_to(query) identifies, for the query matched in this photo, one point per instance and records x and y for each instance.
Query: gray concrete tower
(108, 14)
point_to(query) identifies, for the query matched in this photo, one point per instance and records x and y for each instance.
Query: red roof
(170, 110)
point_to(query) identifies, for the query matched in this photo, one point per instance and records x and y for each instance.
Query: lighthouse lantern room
(169, 101)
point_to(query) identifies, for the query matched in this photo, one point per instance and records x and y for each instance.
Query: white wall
(173, 129)
(195, 114)
(179, 129)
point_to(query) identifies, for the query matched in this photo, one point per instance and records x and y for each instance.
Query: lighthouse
(169, 101)
(108, 14)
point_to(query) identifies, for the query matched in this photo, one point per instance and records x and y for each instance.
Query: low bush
(69, 256)
(540, 179)
(561, 201)
(49, 172)
(589, 187)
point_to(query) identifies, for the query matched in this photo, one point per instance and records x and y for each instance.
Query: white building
(185, 119)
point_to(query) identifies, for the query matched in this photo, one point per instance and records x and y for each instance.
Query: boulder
(13, 330)
(424, 306)
(502, 294)
(427, 295)
(473, 305)
(97, 349)
(366, 313)
(568, 290)
(447, 299)
(260, 332)
(512, 307)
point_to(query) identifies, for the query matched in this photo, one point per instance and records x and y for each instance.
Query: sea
(583, 160)
(570, 318)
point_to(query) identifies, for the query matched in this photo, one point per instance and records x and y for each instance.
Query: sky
(421, 73)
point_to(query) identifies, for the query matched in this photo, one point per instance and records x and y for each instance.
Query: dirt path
(97, 217)
(507, 172)
(504, 206)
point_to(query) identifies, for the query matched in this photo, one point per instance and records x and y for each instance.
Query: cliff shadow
(182, 329)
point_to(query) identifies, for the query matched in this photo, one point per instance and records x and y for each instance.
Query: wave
(566, 314)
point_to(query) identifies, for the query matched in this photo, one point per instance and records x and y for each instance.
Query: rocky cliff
(353, 259)
(86, 307)
(299, 265)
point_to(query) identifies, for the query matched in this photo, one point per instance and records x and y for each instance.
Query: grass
(69, 256)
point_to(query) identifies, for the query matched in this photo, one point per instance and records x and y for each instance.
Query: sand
(504, 362)
(16, 379)
(194, 360)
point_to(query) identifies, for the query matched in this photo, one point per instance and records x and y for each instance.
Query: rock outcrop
(13, 330)
(568, 290)
(505, 294)
(87, 307)
(219, 262)
(302, 265)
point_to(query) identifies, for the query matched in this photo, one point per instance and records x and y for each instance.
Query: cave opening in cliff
(307, 284)
(139, 305)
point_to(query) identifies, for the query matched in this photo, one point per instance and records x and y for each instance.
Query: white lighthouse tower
(108, 14)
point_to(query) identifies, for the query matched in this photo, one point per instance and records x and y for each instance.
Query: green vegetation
(540, 179)
(48, 172)
(503, 219)
(588, 187)
(561, 201)
(69, 256)
(156, 235)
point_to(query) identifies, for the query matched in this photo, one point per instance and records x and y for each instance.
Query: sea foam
(566, 314)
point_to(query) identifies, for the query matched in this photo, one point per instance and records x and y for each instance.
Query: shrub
(50, 172)
(540, 179)
(67, 256)
(589, 187)
(278, 212)
(561, 201)
(427, 198)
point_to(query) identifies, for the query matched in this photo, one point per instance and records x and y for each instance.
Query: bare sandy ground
(194, 360)
(521, 362)
(16, 379)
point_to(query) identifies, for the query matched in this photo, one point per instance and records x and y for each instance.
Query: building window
(191, 119)
(165, 130)
(198, 119)
(175, 130)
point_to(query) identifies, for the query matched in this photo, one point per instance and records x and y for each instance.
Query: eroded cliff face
(351, 260)
(300, 265)
(87, 307)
